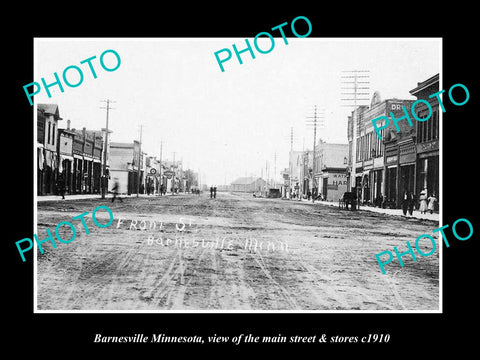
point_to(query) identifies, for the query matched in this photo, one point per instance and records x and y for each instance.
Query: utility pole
(160, 172)
(245, 187)
(199, 180)
(104, 179)
(173, 176)
(316, 117)
(181, 180)
(275, 171)
(356, 80)
(290, 159)
(139, 159)
(266, 172)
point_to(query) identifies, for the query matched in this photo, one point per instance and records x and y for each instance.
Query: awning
(48, 158)
(40, 158)
(65, 157)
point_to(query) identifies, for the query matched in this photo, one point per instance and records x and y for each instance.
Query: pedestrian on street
(411, 203)
(61, 186)
(115, 188)
(211, 192)
(406, 202)
(423, 201)
(432, 200)
(214, 191)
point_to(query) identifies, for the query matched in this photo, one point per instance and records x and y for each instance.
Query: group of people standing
(427, 203)
(213, 192)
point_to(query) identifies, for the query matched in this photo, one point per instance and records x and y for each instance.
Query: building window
(435, 124)
(429, 129)
(419, 131)
(48, 133)
(372, 145)
(53, 134)
(364, 146)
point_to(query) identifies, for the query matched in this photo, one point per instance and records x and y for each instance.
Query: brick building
(87, 148)
(379, 167)
(331, 164)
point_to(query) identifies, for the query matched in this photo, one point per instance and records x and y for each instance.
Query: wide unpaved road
(189, 252)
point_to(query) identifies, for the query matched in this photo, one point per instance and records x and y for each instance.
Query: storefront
(391, 170)
(377, 179)
(407, 157)
(428, 138)
(65, 158)
(49, 172)
(428, 170)
(76, 174)
(65, 168)
(334, 184)
(40, 168)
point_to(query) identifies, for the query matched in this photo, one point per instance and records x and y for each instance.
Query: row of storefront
(82, 162)
(405, 161)
(70, 157)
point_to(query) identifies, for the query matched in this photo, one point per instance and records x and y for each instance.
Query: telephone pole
(290, 161)
(357, 82)
(139, 160)
(318, 118)
(173, 176)
(275, 171)
(160, 170)
(104, 178)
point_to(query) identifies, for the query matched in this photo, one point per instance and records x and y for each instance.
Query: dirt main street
(235, 252)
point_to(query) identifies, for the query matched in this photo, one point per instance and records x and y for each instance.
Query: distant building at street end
(300, 166)
(248, 184)
(124, 161)
(331, 165)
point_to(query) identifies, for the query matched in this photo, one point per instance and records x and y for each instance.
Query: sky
(232, 123)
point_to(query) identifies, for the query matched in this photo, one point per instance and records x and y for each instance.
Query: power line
(105, 148)
(318, 120)
(139, 160)
(355, 119)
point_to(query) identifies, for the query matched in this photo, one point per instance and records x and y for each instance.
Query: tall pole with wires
(358, 85)
(139, 161)
(104, 178)
(316, 120)
(275, 171)
(290, 159)
(160, 170)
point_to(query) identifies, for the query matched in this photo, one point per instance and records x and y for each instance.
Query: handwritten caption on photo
(185, 235)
